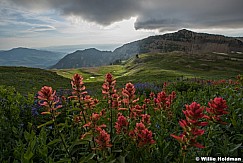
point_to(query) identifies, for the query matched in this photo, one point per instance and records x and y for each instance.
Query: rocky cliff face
(190, 42)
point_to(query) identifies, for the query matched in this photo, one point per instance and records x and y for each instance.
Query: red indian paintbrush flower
(103, 139)
(109, 77)
(46, 93)
(108, 88)
(135, 111)
(142, 135)
(146, 119)
(121, 124)
(129, 92)
(164, 101)
(49, 100)
(89, 102)
(217, 108)
(194, 114)
(77, 83)
(145, 137)
(116, 102)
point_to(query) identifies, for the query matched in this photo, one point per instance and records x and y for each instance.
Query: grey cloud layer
(151, 14)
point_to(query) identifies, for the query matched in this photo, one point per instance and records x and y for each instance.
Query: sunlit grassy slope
(166, 66)
(155, 68)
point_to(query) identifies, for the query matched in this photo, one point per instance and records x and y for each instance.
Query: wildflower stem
(184, 156)
(81, 107)
(111, 118)
(65, 146)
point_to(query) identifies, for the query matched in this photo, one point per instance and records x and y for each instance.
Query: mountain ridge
(73, 60)
(183, 40)
(28, 57)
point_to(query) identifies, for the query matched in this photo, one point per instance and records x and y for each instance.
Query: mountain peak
(87, 50)
(183, 31)
(20, 48)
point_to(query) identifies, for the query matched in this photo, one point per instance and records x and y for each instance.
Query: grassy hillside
(154, 68)
(166, 66)
(31, 79)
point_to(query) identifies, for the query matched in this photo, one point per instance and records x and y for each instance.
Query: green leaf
(54, 142)
(117, 151)
(30, 125)
(88, 136)
(66, 160)
(14, 129)
(236, 147)
(74, 109)
(77, 142)
(87, 158)
(32, 143)
(47, 123)
(233, 121)
(27, 136)
(92, 161)
(28, 155)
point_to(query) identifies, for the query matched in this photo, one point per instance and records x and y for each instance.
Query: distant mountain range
(72, 48)
(183, 40)
(29, 58)
(85, 58)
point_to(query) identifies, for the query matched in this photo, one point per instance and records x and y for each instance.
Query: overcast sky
(40, 23)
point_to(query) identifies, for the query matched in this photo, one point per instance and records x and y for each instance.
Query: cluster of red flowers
(86, 102)
(129, 94)
(78, 85)
(94, 118)
(136, 111)
(103, 139)
(164, 101)
(220, 82)
(89, 102)
(142, 135)
(108, 87)
(109, 91)
(122, 124)
(217, 108)
(194, 114)
(47, 94)
(49, 100)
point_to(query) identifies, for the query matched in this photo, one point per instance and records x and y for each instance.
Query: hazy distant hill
(29, 58)
(72, 48)
(184, 40)
(85, 58)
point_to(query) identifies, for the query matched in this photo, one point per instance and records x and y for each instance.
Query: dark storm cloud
(151, 14)
(103, 12)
